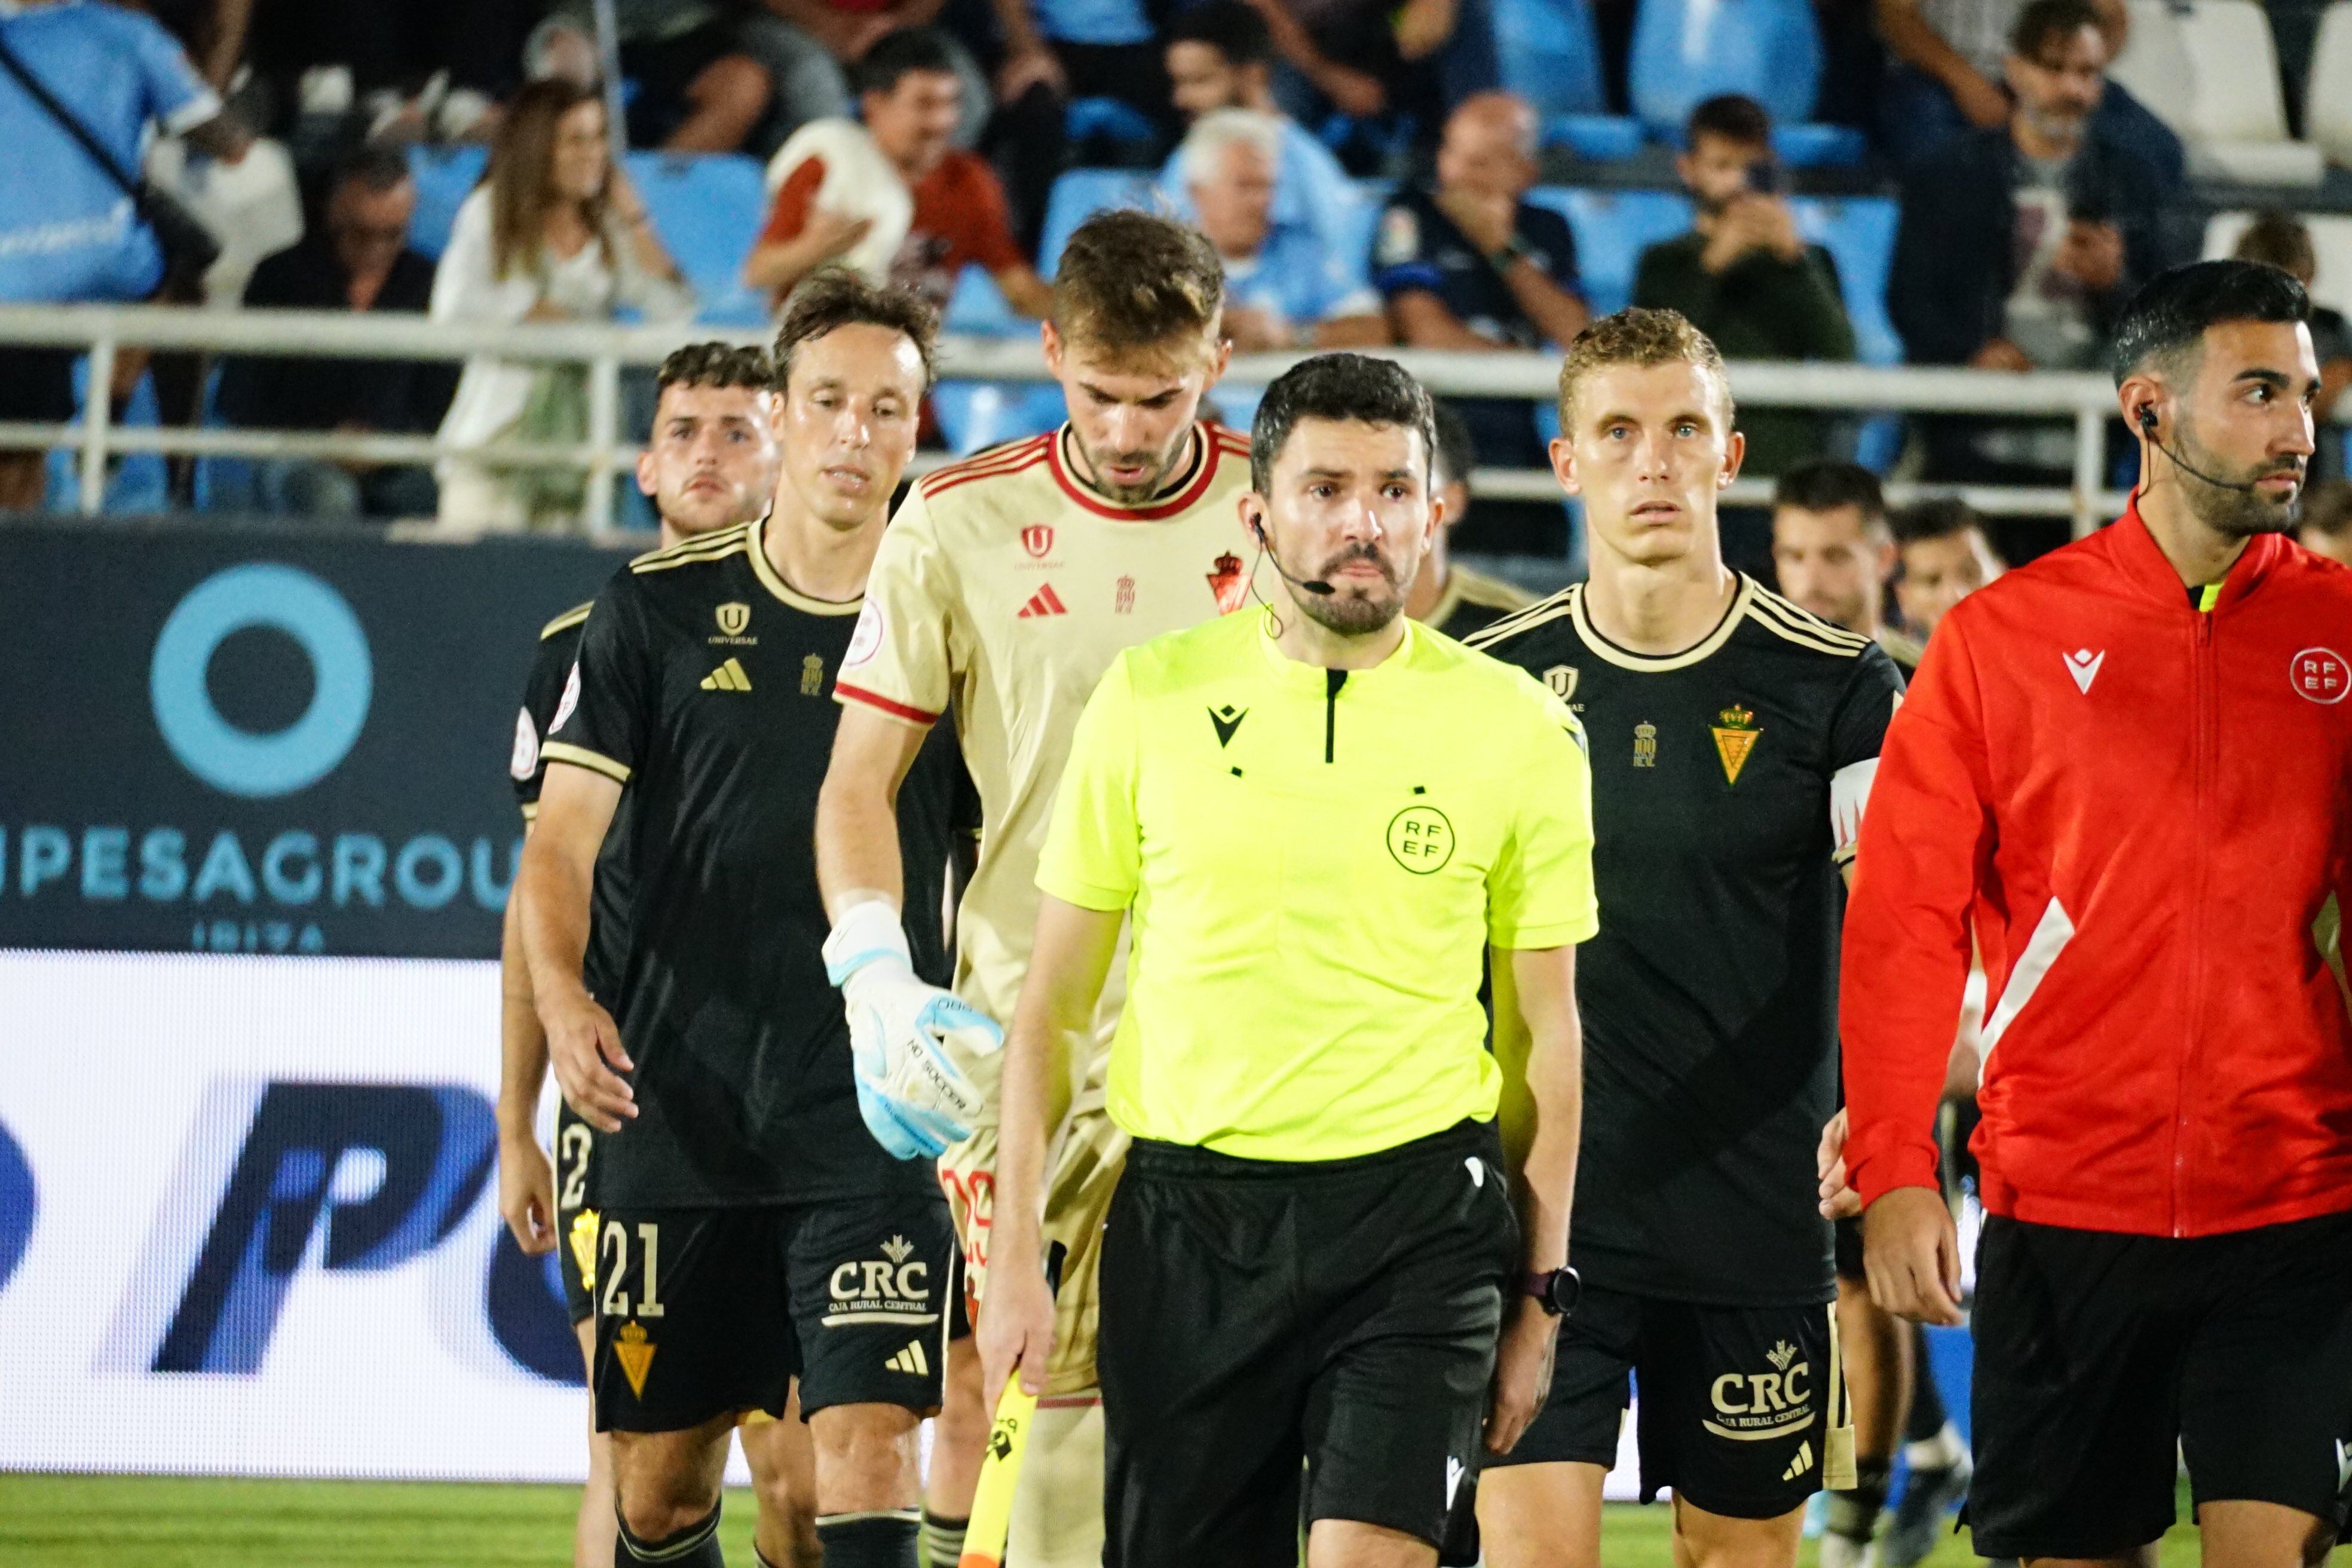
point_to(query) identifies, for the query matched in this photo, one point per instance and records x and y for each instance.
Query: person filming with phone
(1743, 275)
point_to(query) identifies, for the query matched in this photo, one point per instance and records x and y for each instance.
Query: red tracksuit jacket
(2144, 811)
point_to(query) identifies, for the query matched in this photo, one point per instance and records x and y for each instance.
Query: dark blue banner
(264, 740)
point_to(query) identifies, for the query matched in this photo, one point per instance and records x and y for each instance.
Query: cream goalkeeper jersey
(1005, 586)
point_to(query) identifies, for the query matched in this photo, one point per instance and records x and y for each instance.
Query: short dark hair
(834, 297)
(716, 364)
(1336, 386)
(2042, 22)
(1234, 30)
(2169, 318)
(1731, 116)
(895, 54)
(376, 165)
(1937, 516)
(1826, 486)
(1456, 454)
(2327, 507)
(1130, 280)
(2276, 237)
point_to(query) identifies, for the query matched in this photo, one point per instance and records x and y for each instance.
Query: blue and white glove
(915, 1099)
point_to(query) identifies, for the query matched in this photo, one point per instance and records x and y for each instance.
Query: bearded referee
(1319, 814)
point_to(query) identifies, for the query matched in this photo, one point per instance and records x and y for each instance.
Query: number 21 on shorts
(612, 1254)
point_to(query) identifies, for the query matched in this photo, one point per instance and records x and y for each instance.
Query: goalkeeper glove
(914, 1098)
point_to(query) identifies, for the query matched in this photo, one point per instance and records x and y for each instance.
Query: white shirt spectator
(589, 285)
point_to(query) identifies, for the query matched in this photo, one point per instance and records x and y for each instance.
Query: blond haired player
(1006, 585)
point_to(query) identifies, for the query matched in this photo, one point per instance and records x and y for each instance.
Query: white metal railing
(105, 330)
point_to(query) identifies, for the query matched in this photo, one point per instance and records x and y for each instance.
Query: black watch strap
(1556, 1290)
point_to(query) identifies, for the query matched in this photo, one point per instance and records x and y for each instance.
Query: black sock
(1854, 1514)
(877, 1540)
(1926, 1400)
(695, 1546)
(942, 1540)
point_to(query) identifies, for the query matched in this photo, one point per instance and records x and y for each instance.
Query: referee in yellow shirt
(1319, 814)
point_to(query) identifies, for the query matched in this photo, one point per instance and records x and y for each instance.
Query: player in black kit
(1733, 737)
(711, 463)
(751, 1231)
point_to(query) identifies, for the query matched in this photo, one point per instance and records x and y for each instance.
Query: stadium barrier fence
(105, 330)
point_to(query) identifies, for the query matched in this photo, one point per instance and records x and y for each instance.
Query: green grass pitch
(105, 1522)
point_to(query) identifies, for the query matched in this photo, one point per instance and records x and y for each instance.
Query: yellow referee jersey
(1316, 861)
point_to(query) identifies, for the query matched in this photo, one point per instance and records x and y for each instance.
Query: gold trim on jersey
(702, 547)
(1801, 626)
(1742, 600)
(567, 620)
(1541, 613)
(773, 581)
(582, 757)
(1466, 587)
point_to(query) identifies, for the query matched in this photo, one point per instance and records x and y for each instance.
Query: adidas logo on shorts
(911, 1361)
(1802, 1463)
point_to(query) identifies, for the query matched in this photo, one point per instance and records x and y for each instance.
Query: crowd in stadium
(1443, 175)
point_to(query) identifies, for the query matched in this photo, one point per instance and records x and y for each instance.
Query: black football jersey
(1727, 786)
(543, 691)
(704, 686)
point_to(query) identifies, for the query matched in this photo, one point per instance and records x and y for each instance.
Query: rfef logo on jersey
(1229, 582)
(865, 637)
(1752, 1405)
(894, 1288)
(2320, 675)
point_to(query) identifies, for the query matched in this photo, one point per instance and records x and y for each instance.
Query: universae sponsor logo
(255, 891)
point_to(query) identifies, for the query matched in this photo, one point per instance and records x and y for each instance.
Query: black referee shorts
(1256, 1314)
(2096, 1352)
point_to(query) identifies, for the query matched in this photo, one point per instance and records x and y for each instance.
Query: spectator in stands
(2020, 242)
(2327, 526)
(2279, 239)
(1744, 276)
(1056, 51)
(892, 197)
(357, 260)
(554, 233)
(1470, 264)
(1284, 287)
(68, 232)
(1220, 56)
(1945, 554)
(1950, 62)
(698, 86)
(1367, 58)
(1453, 598)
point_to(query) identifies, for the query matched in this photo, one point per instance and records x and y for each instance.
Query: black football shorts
(1285, 1341)
(708, 1311)
(1743, 1409)
(575, 1222)
(2096, 1354)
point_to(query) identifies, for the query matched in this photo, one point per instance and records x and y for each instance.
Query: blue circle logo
(18, 1204)
(237, 761)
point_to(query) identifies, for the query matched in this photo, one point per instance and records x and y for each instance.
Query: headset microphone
(1313, 586)
(2148, 428)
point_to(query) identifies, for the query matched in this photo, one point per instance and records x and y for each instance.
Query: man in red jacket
(2128, 770)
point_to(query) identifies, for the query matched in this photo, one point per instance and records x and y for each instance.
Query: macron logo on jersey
(1044, 602)
(2084, 665)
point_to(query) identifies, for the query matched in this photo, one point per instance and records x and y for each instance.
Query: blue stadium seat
(1551, 55)
(445, 177)
(1819, 145)
(977, 414)
(1859, 234)
(977, 307)
(708, 211)
(1612, 229)
(1079, 196)
(138, 482)
(1602, 138)
(1687, 50)
(1109, 119)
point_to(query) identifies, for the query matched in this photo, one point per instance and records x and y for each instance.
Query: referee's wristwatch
(1556, 1290)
